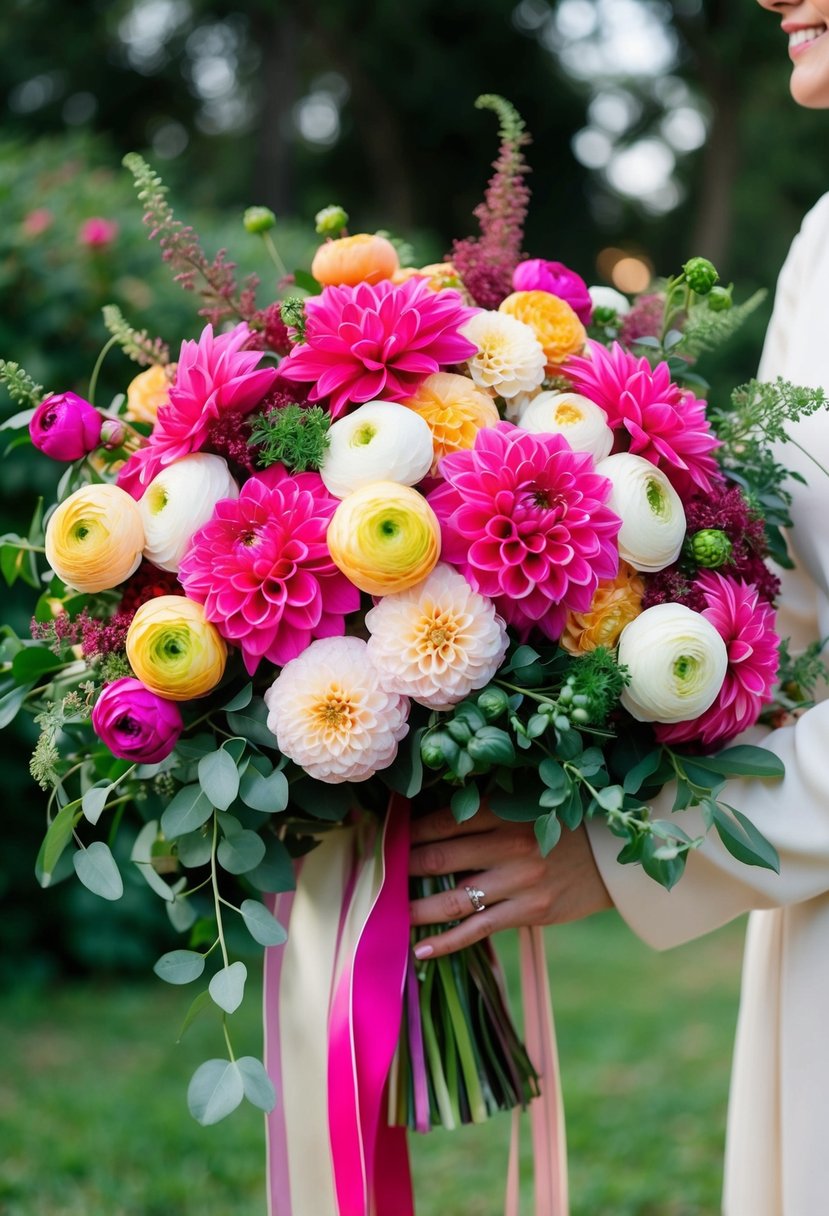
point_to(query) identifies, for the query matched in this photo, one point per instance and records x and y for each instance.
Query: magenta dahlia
(262, 569)
(525, 519)
(746, 625)
(660, 421)
(214, 376)
(379, 340)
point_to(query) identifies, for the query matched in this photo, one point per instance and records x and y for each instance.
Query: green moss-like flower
(710, 548)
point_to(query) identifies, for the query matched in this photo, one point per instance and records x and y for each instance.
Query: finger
(473, 929)
(438, 825)
(487, 850)
(446, 906)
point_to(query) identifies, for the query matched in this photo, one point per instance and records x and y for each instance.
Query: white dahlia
(379, 441)
(332, 715)
(438, 641)
(179, 501)
(582, 423)
(510, 359)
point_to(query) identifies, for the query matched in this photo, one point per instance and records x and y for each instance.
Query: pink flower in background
(644, 319)
(97, 232)
(65, 427)
(214, 376)
(524, 518)
(657, 419)
(377, 340)
(262, 569)
(36, 222)
(746, 624)
(536, 274)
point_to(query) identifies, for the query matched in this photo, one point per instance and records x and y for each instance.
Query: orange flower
(354, 259)
(454, 409)
(615, 604)
(439, 276)
(553, 321)
(149, 390)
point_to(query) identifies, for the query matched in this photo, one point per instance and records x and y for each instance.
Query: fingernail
(423, 951)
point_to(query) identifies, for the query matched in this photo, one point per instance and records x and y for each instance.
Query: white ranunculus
(651, 511)
(582, 423)
(609, 297)
(178, 501)
(379, 441)
(677, 663)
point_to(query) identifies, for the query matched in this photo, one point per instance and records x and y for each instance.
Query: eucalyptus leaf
(611, 798)
(215, 1090)
(638, 775)
(97, 869)
(240, 852)
(197, 1005)
(465, 802)
(242, 699)
(259, 1089)
(268, 794)
(252, 724)
(188, 810)
(182, 914)
(275, 871)
(744, 841)
(11, 702)
(219, 778)
(179, 966)
(261, 924)
(227, 987)
(194, 848)
(55, 841)
(94, 801)
(142, 854)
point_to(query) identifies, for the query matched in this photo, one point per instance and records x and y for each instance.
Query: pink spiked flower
(214, 376)
(659, 421)
(262, 569)
(745, 622)
(377, 340)
(525, 519)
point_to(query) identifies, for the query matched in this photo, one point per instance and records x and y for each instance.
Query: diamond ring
(476, 898)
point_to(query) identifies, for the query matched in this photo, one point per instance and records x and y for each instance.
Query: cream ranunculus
(384, 537)
(95, 537)
(379, 441)
(178, 501)
(609, 297)
(174, 650)
(582, 423)
(677, 663)
(651, 511)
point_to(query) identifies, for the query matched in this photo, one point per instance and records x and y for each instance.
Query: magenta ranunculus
(214, 377)
(66, 427)
(262, 569)
(525, 519)
(134, 723)
(745, 622)
(536, 274)
(377, 341)
(658, 420)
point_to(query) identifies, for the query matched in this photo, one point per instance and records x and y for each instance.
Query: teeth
(798, 37)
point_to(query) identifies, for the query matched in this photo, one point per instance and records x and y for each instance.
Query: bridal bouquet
(402, 537)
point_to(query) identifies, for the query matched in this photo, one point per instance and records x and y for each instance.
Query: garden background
(660, 130)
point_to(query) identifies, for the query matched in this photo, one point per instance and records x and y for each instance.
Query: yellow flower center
(334, 714)
(567, 414)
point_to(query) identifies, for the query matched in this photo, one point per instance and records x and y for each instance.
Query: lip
(791, 27)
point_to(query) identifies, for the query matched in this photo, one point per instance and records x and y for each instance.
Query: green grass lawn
(93, 1120)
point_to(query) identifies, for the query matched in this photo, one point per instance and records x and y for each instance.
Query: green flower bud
(459, 730)
(493, 702)
(581, 715)
(700, 275)
(438, 749)
(566, 693)
(720, 299)
(710, 548)
(258, 220)
(605, 316)
(331, 220)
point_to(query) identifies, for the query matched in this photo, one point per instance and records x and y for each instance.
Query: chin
(810, 88)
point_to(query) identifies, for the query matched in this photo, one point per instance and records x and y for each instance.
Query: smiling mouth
(802, 40)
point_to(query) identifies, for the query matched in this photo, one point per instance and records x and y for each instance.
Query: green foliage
(798, 679)
(706, 328)
(22, 389)
(511, 126)
(136, 344)
(292, 435)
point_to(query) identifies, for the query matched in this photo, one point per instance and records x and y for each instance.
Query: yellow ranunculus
(615, 604)
(384, 537)
(173, 650)
(149, 390)
(95, 538)
(553, 321)
(455, 410)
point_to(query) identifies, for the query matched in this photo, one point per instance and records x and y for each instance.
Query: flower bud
(258, 219)
(65, 427)
(331, 220)
(113, 433)
(710, 548)
(719, 299)
(700, 275)
(493, 703)
(349, 260)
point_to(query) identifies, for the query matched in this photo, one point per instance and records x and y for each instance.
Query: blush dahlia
(262, 569)
(525, 519)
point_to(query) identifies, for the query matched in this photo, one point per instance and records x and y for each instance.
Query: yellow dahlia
(173, 650)
(95, 537)
(384, 538)
(553, 322)
(615, 604)
(454, 409)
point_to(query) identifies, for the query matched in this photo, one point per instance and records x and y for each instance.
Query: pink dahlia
(214, 376)
(663, 423)
(377, 340)
(525, 519)
(746, 625)
(262, 569)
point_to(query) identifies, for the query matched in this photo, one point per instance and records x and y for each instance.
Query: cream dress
(777, 1159)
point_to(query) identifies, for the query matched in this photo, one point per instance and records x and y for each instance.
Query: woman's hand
(503, 863)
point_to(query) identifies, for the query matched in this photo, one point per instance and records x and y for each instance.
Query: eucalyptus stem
(93, 381)
(217, 899)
